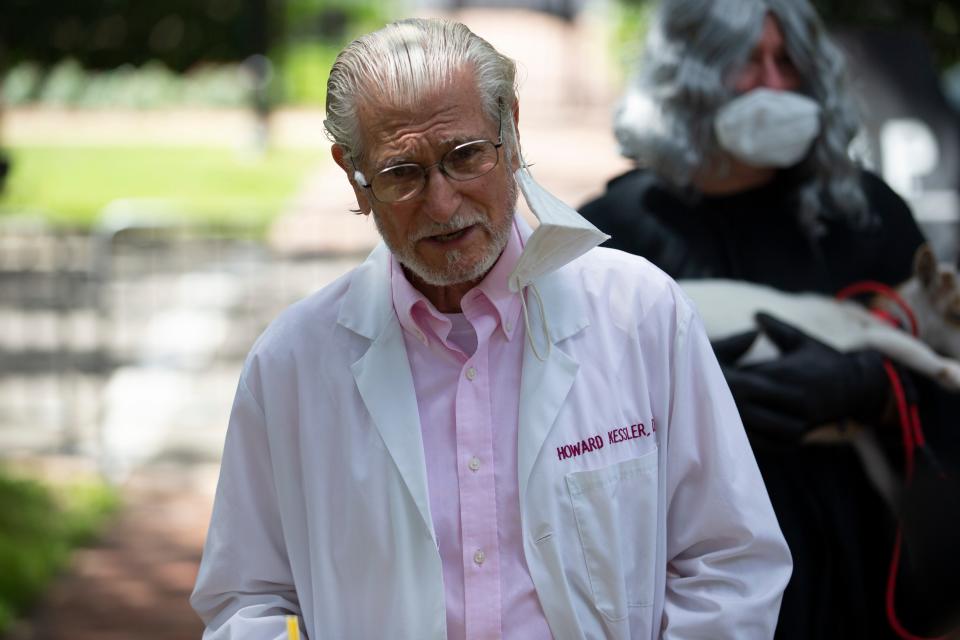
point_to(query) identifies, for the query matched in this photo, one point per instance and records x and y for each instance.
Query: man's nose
(441, 198)
(772, 76)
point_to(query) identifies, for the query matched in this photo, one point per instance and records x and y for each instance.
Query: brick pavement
(135, 581)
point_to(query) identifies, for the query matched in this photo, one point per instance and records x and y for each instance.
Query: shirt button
(471, 373)
(508, 326)
(474, 463)
(479, 557)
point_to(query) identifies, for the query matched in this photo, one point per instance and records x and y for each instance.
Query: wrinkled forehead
(452, 111)
(376, 108)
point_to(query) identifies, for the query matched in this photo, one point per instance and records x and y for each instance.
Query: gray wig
(666, 119)
(402, 63)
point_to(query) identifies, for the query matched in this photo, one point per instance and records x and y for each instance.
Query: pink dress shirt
(468, 400)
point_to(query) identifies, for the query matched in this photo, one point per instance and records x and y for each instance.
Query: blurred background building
(170, 189)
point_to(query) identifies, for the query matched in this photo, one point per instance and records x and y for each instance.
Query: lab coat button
(474, 463)
(479, 557)
(471, 373)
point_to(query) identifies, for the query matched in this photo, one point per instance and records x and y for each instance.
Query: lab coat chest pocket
(615, 508)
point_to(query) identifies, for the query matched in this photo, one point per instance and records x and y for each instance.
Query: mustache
(456, 223)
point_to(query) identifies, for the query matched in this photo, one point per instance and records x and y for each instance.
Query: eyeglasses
(466, 161)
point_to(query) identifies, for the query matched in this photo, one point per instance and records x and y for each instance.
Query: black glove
(747, 388)
(810, 384)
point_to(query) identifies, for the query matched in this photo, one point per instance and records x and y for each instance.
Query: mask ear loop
(543, 322)
(532, 287)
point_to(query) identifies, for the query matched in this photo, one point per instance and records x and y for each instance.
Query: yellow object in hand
(293, 628)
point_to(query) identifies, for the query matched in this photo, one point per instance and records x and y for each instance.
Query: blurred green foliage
(185, 53)
(304, 72)
(153, 85)
(104, 34)
(125, 53)
(39, 525)
(631, 21)
(208, 186)
(146, 42)
(316, 32)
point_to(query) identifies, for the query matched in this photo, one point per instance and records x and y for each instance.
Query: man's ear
(340, 157)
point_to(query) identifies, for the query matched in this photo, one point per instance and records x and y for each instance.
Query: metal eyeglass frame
(362, 179)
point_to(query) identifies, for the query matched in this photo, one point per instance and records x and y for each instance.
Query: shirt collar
(421, 319)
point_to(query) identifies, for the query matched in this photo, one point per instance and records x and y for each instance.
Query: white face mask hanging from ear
(563, 236)
(767, 128)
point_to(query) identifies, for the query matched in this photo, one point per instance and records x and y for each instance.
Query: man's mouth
(447, 237)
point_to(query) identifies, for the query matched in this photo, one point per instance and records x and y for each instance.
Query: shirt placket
(478, 507)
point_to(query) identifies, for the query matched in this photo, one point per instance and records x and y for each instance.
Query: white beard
(454, 272)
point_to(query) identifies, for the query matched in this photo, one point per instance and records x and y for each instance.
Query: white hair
(402, 63)
(665, 121)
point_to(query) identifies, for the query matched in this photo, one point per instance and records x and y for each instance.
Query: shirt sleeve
(245, 588)
(727, 561)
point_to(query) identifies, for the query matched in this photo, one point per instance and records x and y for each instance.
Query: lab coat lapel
(383, 375)
(545, 385)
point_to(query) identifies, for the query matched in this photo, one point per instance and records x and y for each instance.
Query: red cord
(912, 438)
(918, 438)
(910, 428)
(870, 286)
(904, 411)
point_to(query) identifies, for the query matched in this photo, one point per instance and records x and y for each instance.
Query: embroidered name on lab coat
(614, 436)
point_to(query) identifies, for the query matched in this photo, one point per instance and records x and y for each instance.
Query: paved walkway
(134, 583)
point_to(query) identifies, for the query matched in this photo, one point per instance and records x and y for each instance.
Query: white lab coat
(322, 507)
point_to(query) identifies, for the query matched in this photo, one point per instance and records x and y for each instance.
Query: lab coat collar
(367, 308)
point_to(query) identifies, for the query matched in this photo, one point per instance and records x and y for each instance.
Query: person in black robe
(740, 125)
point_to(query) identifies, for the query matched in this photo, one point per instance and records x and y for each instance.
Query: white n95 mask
(767, 128)
(563, 236)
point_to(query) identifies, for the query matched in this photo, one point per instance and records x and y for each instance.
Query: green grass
(71, 185)
(39, 526)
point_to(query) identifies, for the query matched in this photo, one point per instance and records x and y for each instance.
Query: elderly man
(409, 456)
